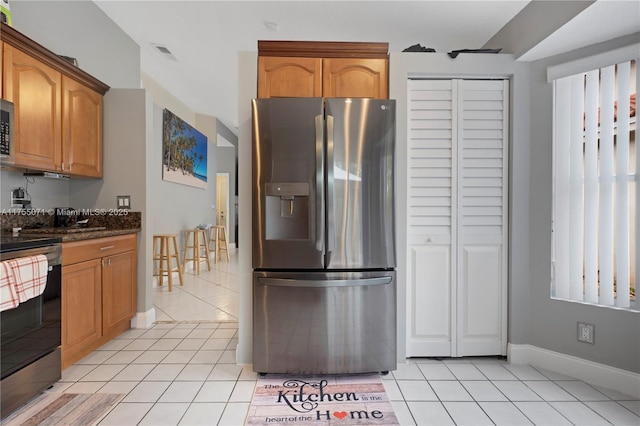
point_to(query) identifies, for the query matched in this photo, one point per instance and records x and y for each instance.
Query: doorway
(222, 200)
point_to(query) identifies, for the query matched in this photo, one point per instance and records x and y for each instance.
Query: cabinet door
(81, 129)
(81, 308)
(118, 290)
(355, 78)
(289, 77)
(34, 88)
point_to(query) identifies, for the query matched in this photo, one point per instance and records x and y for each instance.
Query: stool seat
(197, 241)
(218, 234)
(163, 256)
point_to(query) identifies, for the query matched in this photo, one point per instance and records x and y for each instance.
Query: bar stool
(164, 256)
(198, 245)
(218, 234)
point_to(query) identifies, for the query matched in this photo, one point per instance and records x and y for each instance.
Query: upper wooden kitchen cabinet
(58, 109)
(289, 77)
(322, 69)
(81, 129)
(35, 89)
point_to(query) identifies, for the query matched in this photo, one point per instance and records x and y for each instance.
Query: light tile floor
(183, 371)
(209, 296)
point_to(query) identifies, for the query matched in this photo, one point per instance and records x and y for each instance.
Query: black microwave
(7, 140)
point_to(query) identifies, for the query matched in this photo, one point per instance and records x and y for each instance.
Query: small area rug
(320, 400)
(82, 409)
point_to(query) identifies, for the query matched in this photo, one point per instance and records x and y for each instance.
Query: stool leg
(157, 257)
(212, 237)
(167, 259)
(206, 249)
(196, 251)
(186, 247)
(161, 263)
(218, 246)
(177, 256)
(224, 238)
(191, 249)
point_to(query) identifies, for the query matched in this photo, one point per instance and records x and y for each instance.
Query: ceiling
(206, 36)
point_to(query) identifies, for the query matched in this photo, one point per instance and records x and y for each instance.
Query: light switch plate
(124, 201)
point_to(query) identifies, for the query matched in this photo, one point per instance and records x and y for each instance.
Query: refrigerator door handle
(289, 282)
(331, 242)
(319, 183)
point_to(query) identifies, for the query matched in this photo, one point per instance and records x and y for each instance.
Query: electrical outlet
(586, 332)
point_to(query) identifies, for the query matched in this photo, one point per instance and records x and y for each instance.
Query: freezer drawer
(324, 323)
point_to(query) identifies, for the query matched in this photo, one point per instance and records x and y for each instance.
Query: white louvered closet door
(457, 217)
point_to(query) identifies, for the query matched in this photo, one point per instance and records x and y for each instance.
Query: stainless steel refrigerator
(324, 281)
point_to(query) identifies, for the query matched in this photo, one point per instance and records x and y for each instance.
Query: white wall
(247, 77)
(177, 207)
(81, 30)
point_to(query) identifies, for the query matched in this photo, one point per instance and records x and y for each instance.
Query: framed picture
(184, 152)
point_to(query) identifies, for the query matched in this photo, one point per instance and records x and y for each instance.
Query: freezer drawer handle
(288, 282)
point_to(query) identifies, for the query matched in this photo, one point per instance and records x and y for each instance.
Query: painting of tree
(184, 152)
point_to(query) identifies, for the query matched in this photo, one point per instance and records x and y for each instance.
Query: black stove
(31, 333)
(9, 242)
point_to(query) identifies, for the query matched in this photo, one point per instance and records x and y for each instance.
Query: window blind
(595, 177)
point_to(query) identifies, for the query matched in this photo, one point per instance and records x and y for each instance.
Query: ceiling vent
(165, 51)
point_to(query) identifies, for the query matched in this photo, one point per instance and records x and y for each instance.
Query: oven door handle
(52, 252)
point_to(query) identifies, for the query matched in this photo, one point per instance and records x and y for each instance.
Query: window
(595, 178)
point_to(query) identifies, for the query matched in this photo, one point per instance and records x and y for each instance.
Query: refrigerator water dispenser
(287, 211)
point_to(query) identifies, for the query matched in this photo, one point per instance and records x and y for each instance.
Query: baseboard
(590, 372)
(144, 319)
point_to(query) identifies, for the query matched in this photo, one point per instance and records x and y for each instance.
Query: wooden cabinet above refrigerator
(323, 69)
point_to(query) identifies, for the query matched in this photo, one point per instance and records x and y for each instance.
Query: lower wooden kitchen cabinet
(98, 293)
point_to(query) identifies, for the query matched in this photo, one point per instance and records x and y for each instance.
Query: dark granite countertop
(78, 236)
(86, 235)
(100, 226)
